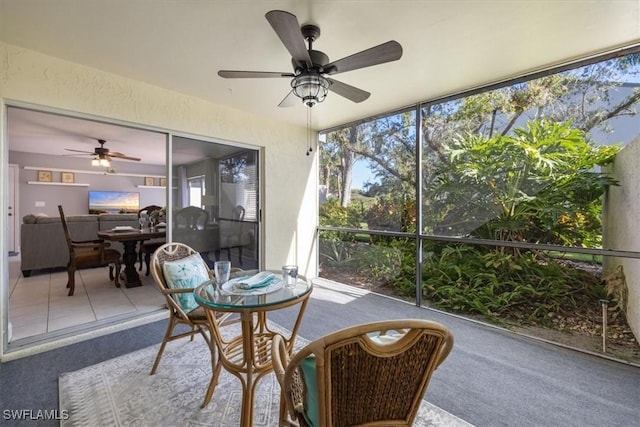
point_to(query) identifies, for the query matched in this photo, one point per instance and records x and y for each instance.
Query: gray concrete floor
(493, 377)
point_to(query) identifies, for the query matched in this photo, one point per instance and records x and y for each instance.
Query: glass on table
(290, 275)
(222, 269)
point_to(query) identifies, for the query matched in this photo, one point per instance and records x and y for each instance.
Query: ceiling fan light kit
(312, 89)
(100, 162)
(310, 66)
(101, 156)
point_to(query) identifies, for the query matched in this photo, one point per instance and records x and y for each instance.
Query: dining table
(248, 355)
(129, 237)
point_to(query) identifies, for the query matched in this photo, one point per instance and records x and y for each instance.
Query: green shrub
(498, 285)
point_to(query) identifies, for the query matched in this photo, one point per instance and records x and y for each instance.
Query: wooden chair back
(191, 218)
(146, 211)
(89, 254)
(67, 235)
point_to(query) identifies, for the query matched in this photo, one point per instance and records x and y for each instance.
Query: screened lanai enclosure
(514, 203)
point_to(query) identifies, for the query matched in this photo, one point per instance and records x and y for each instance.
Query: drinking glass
(141, 220)
(290, 275)
(222, 269)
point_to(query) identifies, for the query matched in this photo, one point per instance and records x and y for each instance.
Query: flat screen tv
(114, 202)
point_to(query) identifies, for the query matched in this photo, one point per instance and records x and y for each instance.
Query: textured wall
(289, 177)
(622, 228)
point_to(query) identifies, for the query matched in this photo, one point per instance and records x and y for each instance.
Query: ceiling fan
(102, 156)
(309, 81)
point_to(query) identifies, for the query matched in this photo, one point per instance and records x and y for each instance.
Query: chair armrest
(89, 245)
(90, 241)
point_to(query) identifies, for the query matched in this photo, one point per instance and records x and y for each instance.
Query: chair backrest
(370, 373)
(169, 252)
(238, 213)
(235, 232)
(67, 235)
(191, 218)
(146, 211)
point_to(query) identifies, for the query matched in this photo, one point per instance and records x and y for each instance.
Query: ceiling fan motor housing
(318, 59)
(310, 66)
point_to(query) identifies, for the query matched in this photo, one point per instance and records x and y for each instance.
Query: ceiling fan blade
(121, 156)
(350, 92)
(287, 28)
(289, 101)
(230, 74)
(386, 52)
(79, 151)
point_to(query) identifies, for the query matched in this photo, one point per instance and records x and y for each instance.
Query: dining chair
(89, 254)
(177, 269)
(368, 374)
(147, 247)
(234, 233)
(191, 218)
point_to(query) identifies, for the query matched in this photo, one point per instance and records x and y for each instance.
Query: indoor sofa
(43, 244)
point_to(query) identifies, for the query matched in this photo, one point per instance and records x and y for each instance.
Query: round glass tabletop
(231, 298)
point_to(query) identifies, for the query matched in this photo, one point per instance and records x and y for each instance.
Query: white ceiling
(449, 45)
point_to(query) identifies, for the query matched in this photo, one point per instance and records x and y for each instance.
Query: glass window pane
(376, 263)
(528, 162)
(367, 174)
(215, 201)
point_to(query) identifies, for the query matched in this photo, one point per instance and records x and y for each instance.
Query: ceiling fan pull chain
(309, 131)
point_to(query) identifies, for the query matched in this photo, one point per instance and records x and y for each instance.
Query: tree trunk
(348, 158)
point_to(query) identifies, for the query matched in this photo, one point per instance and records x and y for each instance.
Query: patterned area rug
(120, 392)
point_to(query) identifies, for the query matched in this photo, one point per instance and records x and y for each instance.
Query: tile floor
(39, 304)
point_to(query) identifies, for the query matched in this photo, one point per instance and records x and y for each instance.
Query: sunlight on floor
(345, 294)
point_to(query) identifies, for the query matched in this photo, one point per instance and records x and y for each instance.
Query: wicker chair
(89, 254)
(196, 320)
(370, 374)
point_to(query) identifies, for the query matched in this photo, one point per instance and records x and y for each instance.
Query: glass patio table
(248, 355)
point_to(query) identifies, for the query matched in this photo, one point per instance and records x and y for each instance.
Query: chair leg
(140, 259)
(172, 324)
(71, 283)
(214, 381)
(147, 261)
(116, 274)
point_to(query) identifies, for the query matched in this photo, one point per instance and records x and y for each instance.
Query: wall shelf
(150, 186)
(69, 184)
(93, 172)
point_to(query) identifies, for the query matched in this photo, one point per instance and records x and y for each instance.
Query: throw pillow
(187, 272)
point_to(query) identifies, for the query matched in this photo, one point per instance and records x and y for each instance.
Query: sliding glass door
(215, 200)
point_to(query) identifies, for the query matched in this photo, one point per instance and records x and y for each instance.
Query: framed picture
(149, 180)
(163, 182)
(67, 177)
(44, 176)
